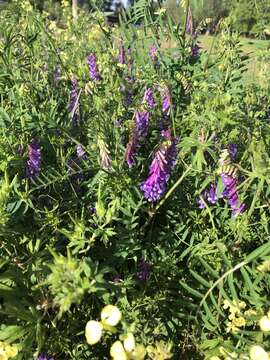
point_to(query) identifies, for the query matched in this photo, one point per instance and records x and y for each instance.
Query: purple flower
(231, 194)
(143, 270)
(232, 149)
(122, 54)
(142, 122)
(44, 357)
(131, 149)
(93, 69)
(208, 195)
(166, 102)
(195, 51)
(153, 54)
(34, 160)
(164, 160)
(212, 194)
(74, 101)
(148, 98)
(80, 151)
(189, 26)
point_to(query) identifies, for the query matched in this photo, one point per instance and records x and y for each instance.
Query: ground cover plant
(134, 190)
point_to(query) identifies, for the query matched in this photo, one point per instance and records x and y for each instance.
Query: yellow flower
(258, 353)
(129, 342)
(138, 353)
(110, 315)
(117, 351)
(265, 323)
(93, 332)
(7, 351)
(215, 358)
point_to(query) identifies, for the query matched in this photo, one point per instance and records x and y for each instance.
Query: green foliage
(73, 236)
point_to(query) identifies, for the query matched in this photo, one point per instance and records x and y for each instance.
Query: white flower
(258, 353)
(265, 323)
(117, 351)
(110, 315)
(129, 342)
(93, 332)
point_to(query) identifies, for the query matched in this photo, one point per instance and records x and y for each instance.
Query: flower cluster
(93, 68)
(7, 351)
(228, 174)
(126, 347)
(229, 180)
(74, 101)
(148, 98)
(153, 54)
(166, 101)
(164, 160)
(208, 195)
(238, 316)
(140, 128)
(144, 268)
(34, 160)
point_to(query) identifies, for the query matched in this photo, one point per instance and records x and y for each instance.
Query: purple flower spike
(232, 148)
(149, 99)
(142, 122)
(166, 102)
(189, 27)
(230, 193)
(160, 169)
(74, 101)
(153, 54)
(44, 357)
(122, 54)
(80, 151)
(93, 69)
(195, 51)
(144, 268)
(131, 150)
(34, 160)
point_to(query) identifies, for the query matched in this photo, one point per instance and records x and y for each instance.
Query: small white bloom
(258, 353)
(265, 323)
(129, 342)
(117, 351)
(93, 332)
(110, 315)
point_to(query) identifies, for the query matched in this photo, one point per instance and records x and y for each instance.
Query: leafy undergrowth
(134, 177)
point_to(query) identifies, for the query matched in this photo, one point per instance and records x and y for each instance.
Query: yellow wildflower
(93, 332)
(117, 351)
(258, 353)
(110, 315)
(161, 351)
(265, 323)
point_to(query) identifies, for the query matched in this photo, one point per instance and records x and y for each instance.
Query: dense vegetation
(134, 190)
